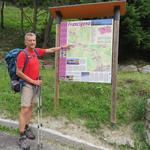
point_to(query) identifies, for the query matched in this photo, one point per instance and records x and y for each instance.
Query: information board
(90, 56)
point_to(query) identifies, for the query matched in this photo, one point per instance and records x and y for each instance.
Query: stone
(147, 137)
(147, 113)
(145, 69)
(148, 103)
(147, 124)
(147, 110)
(128, 68)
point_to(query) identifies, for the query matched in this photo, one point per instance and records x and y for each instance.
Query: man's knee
(25, 110)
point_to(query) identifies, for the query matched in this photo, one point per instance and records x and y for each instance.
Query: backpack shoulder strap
(37, 53)
(27, 59)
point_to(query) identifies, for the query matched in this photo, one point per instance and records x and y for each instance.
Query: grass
(90, 102)
(132, 93)
(9, 130)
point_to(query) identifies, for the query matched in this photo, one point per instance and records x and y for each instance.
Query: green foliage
(138, 128)
(9, 130)
(135, 30)
(11, 33)
(132, 96)
(143, 8)
(140, 143)
(132, 27)
(10, 38)
(90, 102)
(11, 20)
(9, 101)
(92, 125)
(138, 109)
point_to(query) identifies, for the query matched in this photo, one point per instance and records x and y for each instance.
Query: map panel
(90, 56)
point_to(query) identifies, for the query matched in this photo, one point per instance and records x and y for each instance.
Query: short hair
(29, 34)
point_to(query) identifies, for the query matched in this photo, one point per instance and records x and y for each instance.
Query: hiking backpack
(11, 59)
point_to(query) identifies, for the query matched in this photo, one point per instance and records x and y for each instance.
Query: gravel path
(9, 142)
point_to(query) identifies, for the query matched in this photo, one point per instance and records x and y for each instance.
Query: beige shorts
(29, 95)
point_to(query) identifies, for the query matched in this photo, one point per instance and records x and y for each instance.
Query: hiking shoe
(29, 133)
(23, 143)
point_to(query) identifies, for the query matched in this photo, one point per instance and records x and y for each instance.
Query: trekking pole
(41, 124)
(40, 144)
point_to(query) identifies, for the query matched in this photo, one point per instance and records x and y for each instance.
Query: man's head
(30, 40)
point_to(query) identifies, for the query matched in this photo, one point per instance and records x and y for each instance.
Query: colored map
(90, 56)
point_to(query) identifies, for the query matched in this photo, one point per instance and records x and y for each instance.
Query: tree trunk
(22, 17)
(47, 31)
(2, 14)
(35, 6)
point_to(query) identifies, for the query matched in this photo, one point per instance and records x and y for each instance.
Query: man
(29, 91)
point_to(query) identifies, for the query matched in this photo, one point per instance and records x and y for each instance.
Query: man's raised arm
(55, 49)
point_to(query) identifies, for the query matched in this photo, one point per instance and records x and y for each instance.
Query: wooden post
(115, 63)
(57, 86)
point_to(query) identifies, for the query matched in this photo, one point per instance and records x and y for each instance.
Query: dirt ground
(107, 137)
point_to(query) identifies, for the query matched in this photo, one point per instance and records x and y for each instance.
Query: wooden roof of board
(90, 10)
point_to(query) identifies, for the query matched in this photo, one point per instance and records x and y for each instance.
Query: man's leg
(23, 118)
(26, 102)
(22, 122)
(25, 115)
(29, 115)
(33, 101)
(28, 130)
